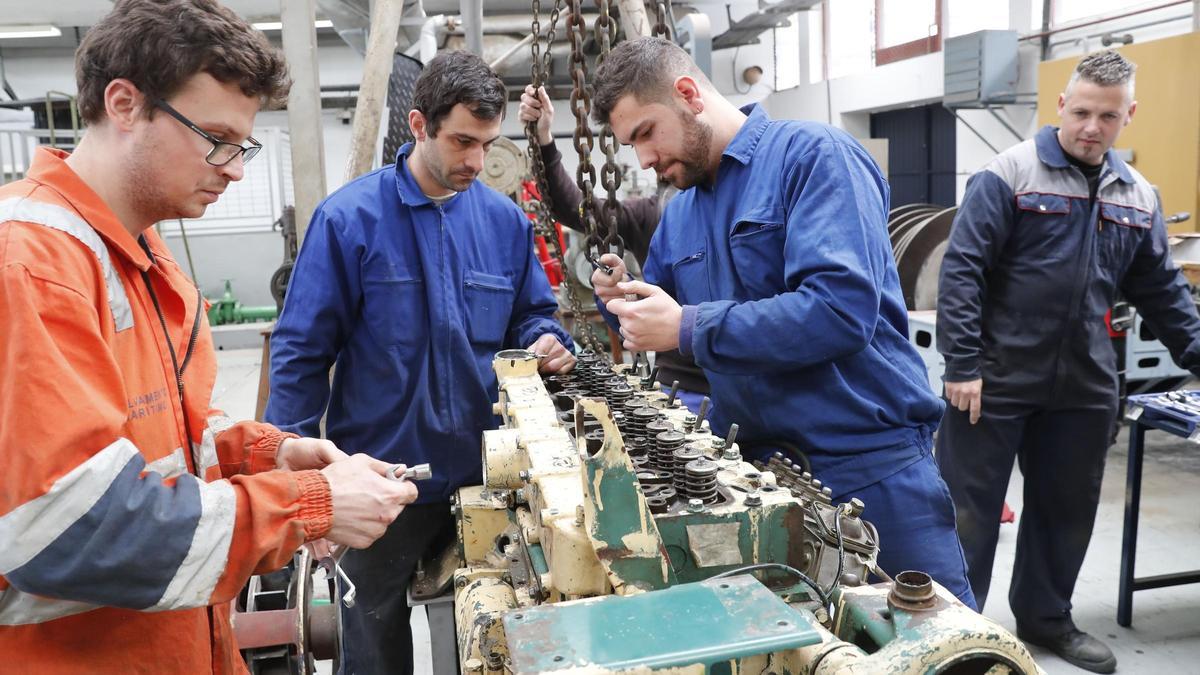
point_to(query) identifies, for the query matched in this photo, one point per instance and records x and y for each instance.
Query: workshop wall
(1164, 135)
(848, 101)
(249, 259)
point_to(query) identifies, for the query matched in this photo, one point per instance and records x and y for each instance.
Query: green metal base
(710, 623)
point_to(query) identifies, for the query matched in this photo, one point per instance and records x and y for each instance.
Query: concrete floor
(1165, 636)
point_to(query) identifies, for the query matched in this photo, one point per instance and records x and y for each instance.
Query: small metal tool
(332, 565)
(415, 472)
(596, 264)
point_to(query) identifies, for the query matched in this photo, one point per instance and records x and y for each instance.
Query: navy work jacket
(792, 303)
(411, 299)
(1032, 267)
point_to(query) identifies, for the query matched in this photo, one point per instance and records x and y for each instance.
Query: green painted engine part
(713, 623)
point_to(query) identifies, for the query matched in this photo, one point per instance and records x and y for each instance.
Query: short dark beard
(697, 141)
(435, 167)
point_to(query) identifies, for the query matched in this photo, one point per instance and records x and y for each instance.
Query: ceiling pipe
(472, 13)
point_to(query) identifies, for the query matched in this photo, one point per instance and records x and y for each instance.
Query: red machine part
(554, 272)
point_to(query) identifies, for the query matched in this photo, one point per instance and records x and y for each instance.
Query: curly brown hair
(159, 44)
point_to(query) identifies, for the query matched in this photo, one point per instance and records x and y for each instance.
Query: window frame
(907, 50)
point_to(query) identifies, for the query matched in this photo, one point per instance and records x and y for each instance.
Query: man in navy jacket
(1046, 236)
(772, 268)
(410, 279)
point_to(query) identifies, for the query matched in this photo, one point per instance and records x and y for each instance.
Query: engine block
(615, 532)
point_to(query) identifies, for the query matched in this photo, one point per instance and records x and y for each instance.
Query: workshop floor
(1165, 636)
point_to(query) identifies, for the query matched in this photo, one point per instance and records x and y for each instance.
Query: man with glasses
(131, 511)
(411, 278)
(222, 152)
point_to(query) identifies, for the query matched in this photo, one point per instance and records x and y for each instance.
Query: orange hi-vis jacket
(114, 556)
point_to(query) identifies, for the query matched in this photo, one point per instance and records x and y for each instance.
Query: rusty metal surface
(267, 628)
(577, 531)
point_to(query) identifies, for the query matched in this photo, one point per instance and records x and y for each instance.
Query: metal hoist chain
(581, 107)
(540, 70)
(662, 10)
(610, 174)
(543, 208)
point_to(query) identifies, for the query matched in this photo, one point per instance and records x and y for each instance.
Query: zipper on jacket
(445, 291)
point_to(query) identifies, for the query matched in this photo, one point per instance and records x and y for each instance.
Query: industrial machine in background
(615, 532)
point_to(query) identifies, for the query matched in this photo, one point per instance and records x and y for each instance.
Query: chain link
(581, 107)
(610, 174)
(543, 208)
(662, 9)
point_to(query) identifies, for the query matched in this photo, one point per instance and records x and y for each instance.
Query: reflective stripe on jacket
(1033, 266)
(111, 548)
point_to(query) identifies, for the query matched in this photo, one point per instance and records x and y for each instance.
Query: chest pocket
(1121, 231)
(757, 250)
(489, 302)
(1045, 231)
(691, 279)
(395, 308)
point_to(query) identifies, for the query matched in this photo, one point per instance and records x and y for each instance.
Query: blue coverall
(792, 306)
(411, 299)
(1031, 269)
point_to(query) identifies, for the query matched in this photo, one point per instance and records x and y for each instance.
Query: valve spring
(556, 383)
(666, 443)
(655, 427)
(700, 480)
(586, 367)
(632, 404)
(626, 409)
(682, 456)
(638, 447)
(638, 419)
(616, 392)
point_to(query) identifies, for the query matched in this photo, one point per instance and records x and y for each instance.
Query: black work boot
(1075, 647)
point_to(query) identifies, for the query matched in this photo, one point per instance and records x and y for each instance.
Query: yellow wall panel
(1165, 132)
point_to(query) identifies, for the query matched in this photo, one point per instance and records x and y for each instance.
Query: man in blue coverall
(1046, 236)
(777, 249)
(410, 279)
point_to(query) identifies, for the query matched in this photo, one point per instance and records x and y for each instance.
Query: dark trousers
(376, 637)
(1061, 454)
(913, 513)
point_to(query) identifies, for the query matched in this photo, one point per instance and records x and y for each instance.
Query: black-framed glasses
(222, 153)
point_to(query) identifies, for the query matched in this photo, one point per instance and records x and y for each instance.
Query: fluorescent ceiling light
(277, 25)
(15, 32)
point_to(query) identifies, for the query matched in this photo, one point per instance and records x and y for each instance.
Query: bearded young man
(410, 279)
(1046, 236)
(131, 511)
(773, 269)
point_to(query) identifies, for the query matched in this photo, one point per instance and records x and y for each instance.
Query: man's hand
(966, 396)
(297, 454)
(604, 284)
(650, 323)
(536, 107)
(557, 359)
(364, 501)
